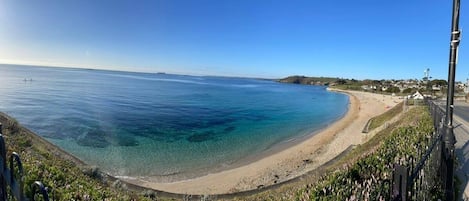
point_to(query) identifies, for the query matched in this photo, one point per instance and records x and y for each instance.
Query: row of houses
(385, 85)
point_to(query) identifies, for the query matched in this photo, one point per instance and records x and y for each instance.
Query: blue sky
(256, 38)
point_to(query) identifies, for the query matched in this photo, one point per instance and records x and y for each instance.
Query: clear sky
(257, 38)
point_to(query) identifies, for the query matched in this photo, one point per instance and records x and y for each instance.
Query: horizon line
(126, 69)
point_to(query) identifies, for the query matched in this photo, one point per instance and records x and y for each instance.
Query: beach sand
(291, 161)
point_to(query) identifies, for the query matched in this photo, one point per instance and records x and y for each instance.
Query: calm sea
(142, 124)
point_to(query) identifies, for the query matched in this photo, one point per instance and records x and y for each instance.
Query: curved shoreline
(273, 167)
(291, 162)
(255, 157)
(284, 163)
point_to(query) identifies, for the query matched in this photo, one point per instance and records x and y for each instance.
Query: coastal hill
(297, 79)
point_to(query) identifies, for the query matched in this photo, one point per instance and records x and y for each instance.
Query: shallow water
(137, 124)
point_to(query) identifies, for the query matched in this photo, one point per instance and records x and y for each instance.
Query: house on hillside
(436, 87)
(416, 96)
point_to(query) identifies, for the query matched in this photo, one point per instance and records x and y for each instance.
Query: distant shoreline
(144, 72)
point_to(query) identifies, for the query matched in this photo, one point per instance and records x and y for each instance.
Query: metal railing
(423, 178)
(11, 178)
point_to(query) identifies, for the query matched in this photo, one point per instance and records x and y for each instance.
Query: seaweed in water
(229, 129)
(99, 138)
(93, 138)
(200, 137)
(121, 139)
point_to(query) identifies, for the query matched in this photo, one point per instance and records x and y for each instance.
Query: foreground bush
(369, 177)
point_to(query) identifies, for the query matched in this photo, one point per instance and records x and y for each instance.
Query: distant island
(320, 81)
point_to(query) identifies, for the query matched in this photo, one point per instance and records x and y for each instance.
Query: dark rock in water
(200, 137)
(94, 138)
(229, 129)
(256, 117)
(220, 121)
(103, 137)
(126, 141)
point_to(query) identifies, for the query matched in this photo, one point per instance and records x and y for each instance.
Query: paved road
(461, 110)
(461, 131)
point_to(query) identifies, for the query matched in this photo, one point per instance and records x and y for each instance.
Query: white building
(416, 96)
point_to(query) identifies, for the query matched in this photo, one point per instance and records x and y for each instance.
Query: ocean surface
(161, 125)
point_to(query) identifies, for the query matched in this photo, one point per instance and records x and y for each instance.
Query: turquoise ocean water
(142, 124)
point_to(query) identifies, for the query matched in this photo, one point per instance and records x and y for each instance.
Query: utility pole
(449, 139)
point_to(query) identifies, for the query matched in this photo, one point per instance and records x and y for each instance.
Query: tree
(393, 90)
(407, 91)
(376, 82)
(341, 81)
(439, 82)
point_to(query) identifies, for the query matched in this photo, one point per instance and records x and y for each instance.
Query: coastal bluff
(318, 81)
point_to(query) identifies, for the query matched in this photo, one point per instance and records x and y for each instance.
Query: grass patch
(353, 87)
(383, 118)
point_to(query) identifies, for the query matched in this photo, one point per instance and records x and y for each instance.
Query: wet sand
(291, 161)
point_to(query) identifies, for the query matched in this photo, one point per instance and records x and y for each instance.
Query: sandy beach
(291, 161)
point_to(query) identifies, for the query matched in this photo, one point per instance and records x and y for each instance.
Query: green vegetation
(369, 176)
(414, 102)
(64, 180)
(354, 167)
(437, 82)
(377, 121)
(409, 91)
(314, 80)
(354, 87)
